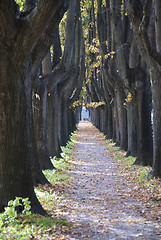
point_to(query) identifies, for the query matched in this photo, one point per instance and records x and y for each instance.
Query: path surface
(98, 201)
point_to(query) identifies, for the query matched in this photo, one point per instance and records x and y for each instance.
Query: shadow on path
(99, 205)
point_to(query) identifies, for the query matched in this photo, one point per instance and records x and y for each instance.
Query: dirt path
(98, 201)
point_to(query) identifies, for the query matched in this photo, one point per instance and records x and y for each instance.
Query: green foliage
(104, 3)
(85, 4)
(76, 103)
(47, 222)
(128, 99)
(109, 55)
(70, 143)
(61, 164)
(62, 31)
(59, 175)
(20, 3)
(81, 100)
(96, 104)
(9, 216)
(32, 227)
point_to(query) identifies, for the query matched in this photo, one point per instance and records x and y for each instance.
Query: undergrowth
(34, 226)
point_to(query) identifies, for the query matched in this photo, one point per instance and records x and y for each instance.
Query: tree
(135, 81)
(141, 16)
(128, 81)
(20, 34)
(60, 85)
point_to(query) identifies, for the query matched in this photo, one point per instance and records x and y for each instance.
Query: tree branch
(81, 76)
(9, 10)
(37, 21)
(143, 30)
(70, 35)
(60, 72)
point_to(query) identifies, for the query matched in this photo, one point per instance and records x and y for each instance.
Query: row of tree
(106, 51)
(41, 77)
(123, 75)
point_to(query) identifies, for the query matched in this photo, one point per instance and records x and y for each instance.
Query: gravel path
(98, 201)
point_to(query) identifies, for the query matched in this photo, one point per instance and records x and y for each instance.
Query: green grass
(31, 227)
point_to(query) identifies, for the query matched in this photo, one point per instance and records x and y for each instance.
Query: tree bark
(18, 40)
(122, 117)
(40, 118)
(53, 122)
(144, 130)
(157, 122)
(132, 130)
(152, 57)
(15, 135)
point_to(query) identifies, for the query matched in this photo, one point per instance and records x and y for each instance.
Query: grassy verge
(143, 187)
(34, 226)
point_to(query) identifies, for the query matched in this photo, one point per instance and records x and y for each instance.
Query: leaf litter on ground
(84, 201)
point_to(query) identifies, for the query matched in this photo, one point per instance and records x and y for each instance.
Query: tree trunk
(40, 117)
(151, 54)
(72, 119)
(15, 138)
(109, 122)
(157, 123)
(132, 130)
(144, 129)
(64, 122)
(53, 139)
(122, 117)
(104, 117)
(37, 175)
(116, 130)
